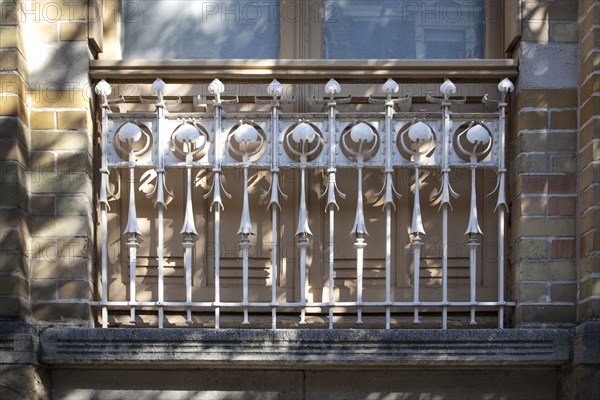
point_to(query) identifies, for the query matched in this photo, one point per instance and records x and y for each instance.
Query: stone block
(589, 63)
(22, 381)
(532, 249)
(564, 120)
(535, 73)
(535, 142)
(9, 13)
(71, 205)
(528, 163)
(589, 288)
(12, 83)
(589, 264)
(43, 32)
(14, 285)
(9, 105)
(46, 182)
(564, 31)
(530, 205)
(589, 196)
(553, 315)
(546, 98)
(590, 42)
(13, 128)
(589, 241)
(73, 248)
(563, 163)
(75, 290)
(532, 293)
(534, 120)
(57, 140)
(60, 226)
(589, 220)
(535, 30)
(44, 290)
(590, 86)
(544, 227)
(61, 268)
(546, 184)
(75, 95)
(60, 312)
(12, 60)
(590, 109)
(43, 120)
(43, 206)
(590, 310)
(73, 31)
(10, 307)
(590, 16)
(61, 65)
(549, 10)
(72, 120)
(563, 292)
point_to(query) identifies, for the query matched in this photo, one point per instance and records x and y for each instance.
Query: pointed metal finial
(390, 86)
(275, 88)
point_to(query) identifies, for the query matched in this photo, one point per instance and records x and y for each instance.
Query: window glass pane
(404, 29)
(160, 29)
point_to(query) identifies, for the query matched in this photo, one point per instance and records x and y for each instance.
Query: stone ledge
(304, 348)
(19, 343)
(586, 343)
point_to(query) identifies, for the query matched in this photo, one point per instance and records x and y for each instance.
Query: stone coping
(360, 71)
(308, 348)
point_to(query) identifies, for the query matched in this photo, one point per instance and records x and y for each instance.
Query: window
(328, 29)
(174, 29)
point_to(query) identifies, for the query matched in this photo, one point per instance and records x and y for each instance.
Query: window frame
(302, 37)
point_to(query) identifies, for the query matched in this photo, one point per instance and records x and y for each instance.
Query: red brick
(548, 183)
(563, 249)
(561, 206)
(590, 241)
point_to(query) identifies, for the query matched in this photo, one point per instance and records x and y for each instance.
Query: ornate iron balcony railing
(386, 141)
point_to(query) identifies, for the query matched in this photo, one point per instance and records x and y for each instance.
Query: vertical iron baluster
(275, 89)
(477, 136)
(248, 142)
(422, 140)
(193, 143)
(445, 193)
(305, 136)
(332, 87)
(131, 133)
(103, 90)
(389, 87)
(363, 136)
(158, 87)
(504, 87)
(216, 88)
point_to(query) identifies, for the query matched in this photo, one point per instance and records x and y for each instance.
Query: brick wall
(14, 161)
(589, 162)
(544, 165)
(47, 161)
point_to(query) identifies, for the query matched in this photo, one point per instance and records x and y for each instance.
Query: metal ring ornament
(190, 139)
(131, 132)
(245, 140)
(303, 134)
(477, 135)
(418, 133)
(361, 134)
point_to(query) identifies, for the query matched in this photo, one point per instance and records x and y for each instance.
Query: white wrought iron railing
(387, 141)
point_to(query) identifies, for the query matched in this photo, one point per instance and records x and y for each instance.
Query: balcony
(163, 275)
